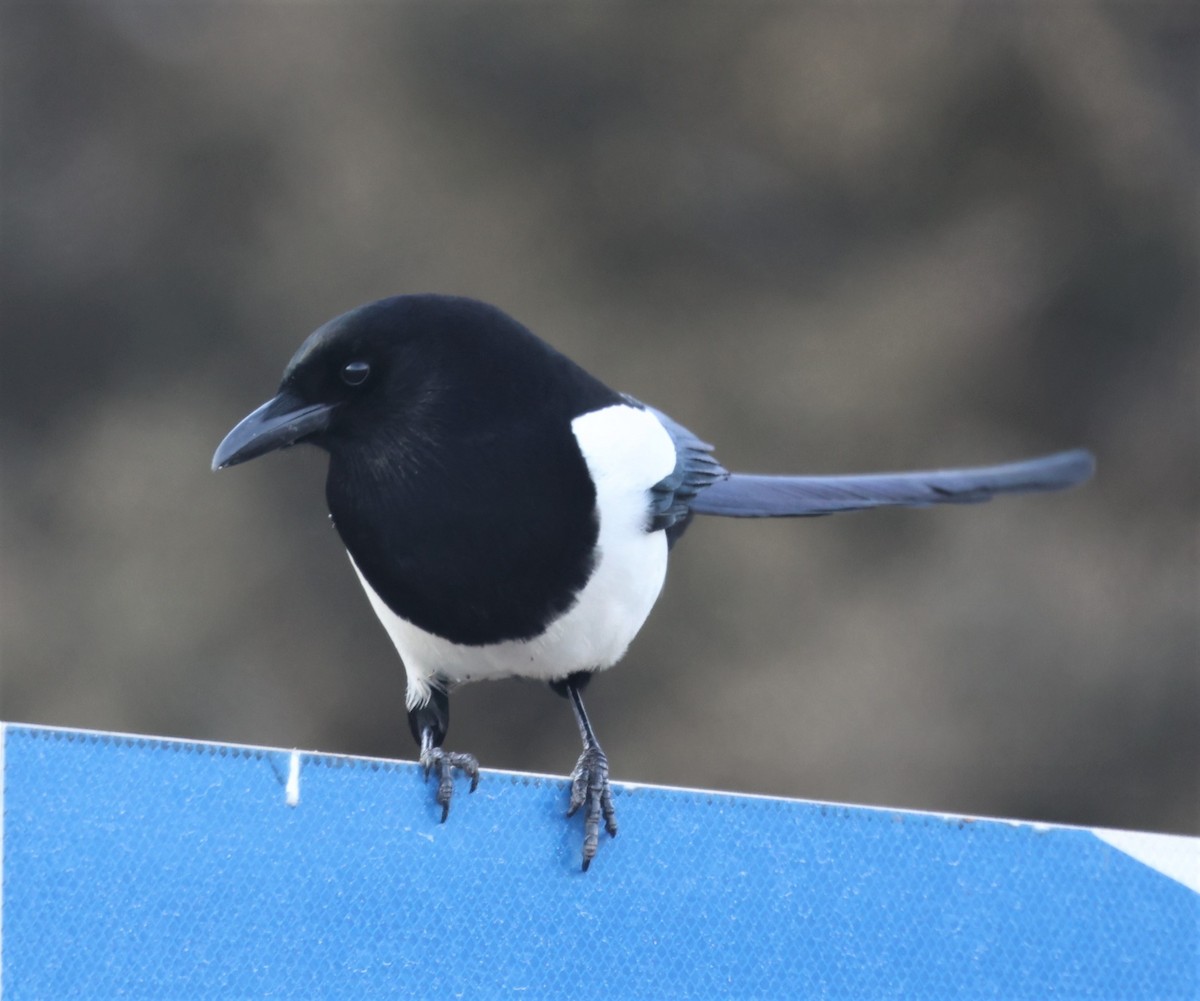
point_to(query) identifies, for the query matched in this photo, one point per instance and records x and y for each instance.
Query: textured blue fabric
(152, 868)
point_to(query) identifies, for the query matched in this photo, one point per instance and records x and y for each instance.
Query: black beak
(278, 423)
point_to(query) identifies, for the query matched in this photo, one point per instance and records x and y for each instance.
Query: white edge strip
(292, 790)
(1174, 855)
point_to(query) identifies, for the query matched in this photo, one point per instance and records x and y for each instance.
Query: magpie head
(390, 374)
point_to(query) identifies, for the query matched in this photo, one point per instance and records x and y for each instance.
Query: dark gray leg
(589, 780)
(429, 724)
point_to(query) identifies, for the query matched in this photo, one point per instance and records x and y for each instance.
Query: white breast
(627, 451)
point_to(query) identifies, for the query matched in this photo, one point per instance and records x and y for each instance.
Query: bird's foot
(445, 762)
(589, 785)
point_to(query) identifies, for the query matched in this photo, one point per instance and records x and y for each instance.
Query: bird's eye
(355, 373)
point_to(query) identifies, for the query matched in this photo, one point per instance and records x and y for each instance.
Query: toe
(610, 813)
(590, 789)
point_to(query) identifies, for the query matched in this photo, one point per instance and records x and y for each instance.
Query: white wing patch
(627, 451)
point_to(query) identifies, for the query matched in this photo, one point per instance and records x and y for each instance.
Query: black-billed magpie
(510, 515)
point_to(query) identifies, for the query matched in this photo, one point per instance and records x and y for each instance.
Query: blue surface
(152, 868)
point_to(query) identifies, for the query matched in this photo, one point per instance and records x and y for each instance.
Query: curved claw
(589, 784)
(446, 762)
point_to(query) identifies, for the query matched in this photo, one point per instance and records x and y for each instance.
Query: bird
(510, 515)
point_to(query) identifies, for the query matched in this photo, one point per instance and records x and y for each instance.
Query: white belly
(627, 451)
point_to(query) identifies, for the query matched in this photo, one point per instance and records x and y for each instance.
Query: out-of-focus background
(827, 237)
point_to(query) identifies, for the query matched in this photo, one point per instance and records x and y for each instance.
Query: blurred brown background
(827, 236)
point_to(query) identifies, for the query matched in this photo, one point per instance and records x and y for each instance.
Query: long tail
(743, 495)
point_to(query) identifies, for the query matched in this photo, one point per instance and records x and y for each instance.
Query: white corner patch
(1174, 855)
